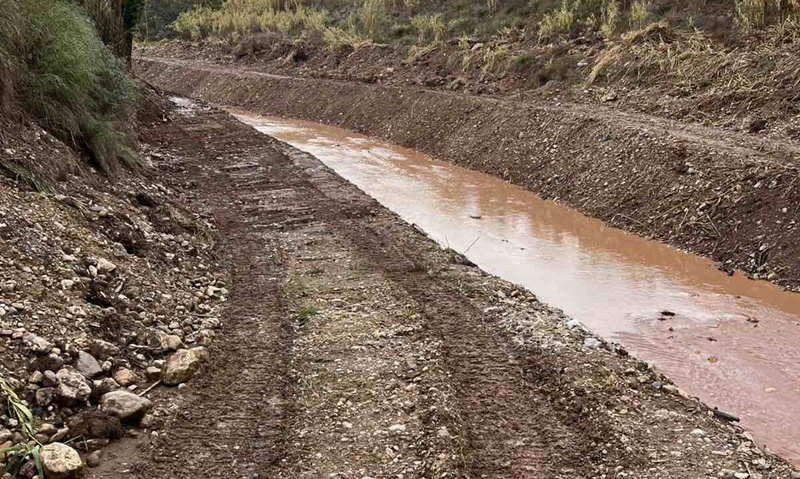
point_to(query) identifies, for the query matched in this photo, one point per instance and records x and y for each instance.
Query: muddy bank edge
(731, 201)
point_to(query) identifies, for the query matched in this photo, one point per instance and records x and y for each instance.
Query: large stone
(87, 365)
(60, 461)
(37, 343)
(103, 349)
(170, 342)
(105, 266)
(72, 386)
(124, 405)
(182, 365)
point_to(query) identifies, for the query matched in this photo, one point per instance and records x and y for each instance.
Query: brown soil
(729, 196)
(355, 347)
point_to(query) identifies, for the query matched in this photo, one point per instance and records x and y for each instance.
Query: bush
(68, 79)
(611, 18)
(430, 28)
(195, 24)
(559, 22)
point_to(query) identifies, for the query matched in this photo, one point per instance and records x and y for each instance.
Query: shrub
(430, 28)
(558, 22)
(68, 79)
(611, 18)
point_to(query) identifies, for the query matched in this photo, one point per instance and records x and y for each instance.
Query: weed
(493, 60)
(195, 24)
(430, 28)
(372, 14)
(559, 22)
(612, 18)
(336, 37)
(305, 311)
(752, 15)
(640, 14)
(16, 456)
(65, 77)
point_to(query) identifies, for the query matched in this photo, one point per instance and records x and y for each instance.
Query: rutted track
(355, 347)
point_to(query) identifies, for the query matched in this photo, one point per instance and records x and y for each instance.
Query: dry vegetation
(426, 22)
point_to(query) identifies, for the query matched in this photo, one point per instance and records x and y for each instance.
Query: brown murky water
(733, 342)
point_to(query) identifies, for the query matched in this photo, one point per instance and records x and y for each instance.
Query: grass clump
(753, 15)
(558, 22)
(196, 23)
(67, 79)
(640, 14)
(430, 28)
(612, 18)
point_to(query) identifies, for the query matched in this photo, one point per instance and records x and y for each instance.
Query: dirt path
(355, 347)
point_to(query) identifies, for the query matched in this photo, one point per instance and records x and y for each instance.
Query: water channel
(733, 342)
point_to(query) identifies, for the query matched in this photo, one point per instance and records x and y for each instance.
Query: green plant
(305, 311)
(754, 15)
(430, 28)
(56, 68)
(16, 456)
(73, 84)
(195, 24)
(612, 18)
(558, 22)
(372, 14)
(640, 13)
(335, 37)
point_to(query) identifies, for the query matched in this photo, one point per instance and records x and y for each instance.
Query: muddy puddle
(732, 342)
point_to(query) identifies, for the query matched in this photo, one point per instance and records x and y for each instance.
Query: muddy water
(732, 342)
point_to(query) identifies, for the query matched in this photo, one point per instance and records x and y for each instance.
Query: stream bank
(726, 196)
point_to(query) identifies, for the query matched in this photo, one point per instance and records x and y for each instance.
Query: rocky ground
(353, 346)
(106, 288)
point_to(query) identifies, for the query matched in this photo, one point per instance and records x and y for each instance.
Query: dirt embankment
(100, 282)
(746, 84)
(731, 197)
(353, 346)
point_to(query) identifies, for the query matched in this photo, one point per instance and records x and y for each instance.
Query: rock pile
(103, 292)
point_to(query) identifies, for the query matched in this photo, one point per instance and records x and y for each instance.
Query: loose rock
(87, 365)
(72, 386)
(182, 365)
(60, 461)
(124, 405)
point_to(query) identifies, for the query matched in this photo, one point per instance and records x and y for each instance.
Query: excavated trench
(728, 340)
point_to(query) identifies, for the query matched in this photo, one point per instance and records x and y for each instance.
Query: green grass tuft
(56, 68)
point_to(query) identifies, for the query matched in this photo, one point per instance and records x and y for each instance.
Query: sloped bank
(705, 191)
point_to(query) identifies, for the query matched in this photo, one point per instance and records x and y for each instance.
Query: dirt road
(354, 347)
